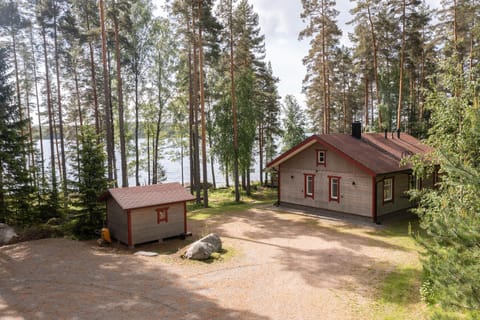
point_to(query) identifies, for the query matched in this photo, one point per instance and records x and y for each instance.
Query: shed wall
(145, 227)
(355, 184)
(117, 221)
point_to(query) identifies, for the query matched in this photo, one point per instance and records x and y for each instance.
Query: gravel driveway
(278, 266)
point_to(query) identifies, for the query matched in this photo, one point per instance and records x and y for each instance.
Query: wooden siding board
(117, 221)
(356, 186)
(145, 227)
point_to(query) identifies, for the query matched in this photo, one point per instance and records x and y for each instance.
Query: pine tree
(92, 181)
(293, 124)
(322, 28)
(15, 184)
(450, 214)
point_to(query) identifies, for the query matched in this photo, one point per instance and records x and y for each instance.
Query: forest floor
(276, 265)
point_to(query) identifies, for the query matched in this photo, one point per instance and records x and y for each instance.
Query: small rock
(203, 248)
(6, 234)
(146, 253)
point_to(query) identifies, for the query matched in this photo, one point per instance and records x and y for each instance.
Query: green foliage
(294, 124)
(451, 214)
(15, 182)
(91, 183)
(221, 202)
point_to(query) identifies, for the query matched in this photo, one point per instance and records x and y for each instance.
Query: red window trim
(162, 215)
(305, 179)
(330, 179)
(393, 190)
(324, 163)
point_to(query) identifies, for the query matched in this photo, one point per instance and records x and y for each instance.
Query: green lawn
(222, 201)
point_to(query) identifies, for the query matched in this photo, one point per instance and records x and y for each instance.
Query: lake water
(173, 171)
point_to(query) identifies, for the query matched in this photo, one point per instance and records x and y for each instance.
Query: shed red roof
(372, 153)
(148, 196)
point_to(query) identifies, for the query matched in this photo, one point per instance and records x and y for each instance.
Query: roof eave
(292, 152)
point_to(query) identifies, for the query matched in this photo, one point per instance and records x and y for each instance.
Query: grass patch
(222, 201)
(401, 286)
(223, 255)
(399, 296)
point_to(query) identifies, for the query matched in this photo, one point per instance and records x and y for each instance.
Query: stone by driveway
(277, 266)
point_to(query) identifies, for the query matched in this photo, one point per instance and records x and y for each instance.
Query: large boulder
(6, 234)
(203, 248)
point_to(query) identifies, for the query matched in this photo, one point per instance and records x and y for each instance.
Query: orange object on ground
(106, 235)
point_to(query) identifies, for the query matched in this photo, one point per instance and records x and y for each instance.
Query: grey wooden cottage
(359, 174)
(146, 213)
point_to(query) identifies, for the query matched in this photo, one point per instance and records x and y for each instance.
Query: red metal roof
(373, 153)
(148, 196)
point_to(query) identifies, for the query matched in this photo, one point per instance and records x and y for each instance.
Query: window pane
(387, 189)
(309, 185)
(334, 188)
(320, 156)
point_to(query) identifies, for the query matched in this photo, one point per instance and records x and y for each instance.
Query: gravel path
(278, 266)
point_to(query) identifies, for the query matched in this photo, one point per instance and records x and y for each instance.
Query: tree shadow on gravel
(328, 255)
(63, 279)
(266, 225)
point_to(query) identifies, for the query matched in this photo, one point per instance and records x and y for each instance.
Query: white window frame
(388, 189)
(309, 185)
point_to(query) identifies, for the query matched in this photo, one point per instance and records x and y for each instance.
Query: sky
(280, 22)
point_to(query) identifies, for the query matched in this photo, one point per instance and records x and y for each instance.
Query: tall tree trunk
(93, 78)
(106, 92)
(50, 116)
(227, 174)
(210, 144)
(112, 122)
(326, 107)
(366, 99)
(402, 58)
(181, 161)
(455, 25)
(202, 105)
(260, 151)
(60, 111)
(121, 117)
(190, 112)
(147, 133)
(234, 109)
(40, 131)
(31, 158)
(375, 67)
(17, 79)
(158, 127)
(196, 151)
(137, 152)
(422, 81)
(77, 95)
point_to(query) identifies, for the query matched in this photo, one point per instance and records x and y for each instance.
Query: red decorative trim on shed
(129, 223)
(162, 214)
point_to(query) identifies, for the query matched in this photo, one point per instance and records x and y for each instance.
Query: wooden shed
(146, 213)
